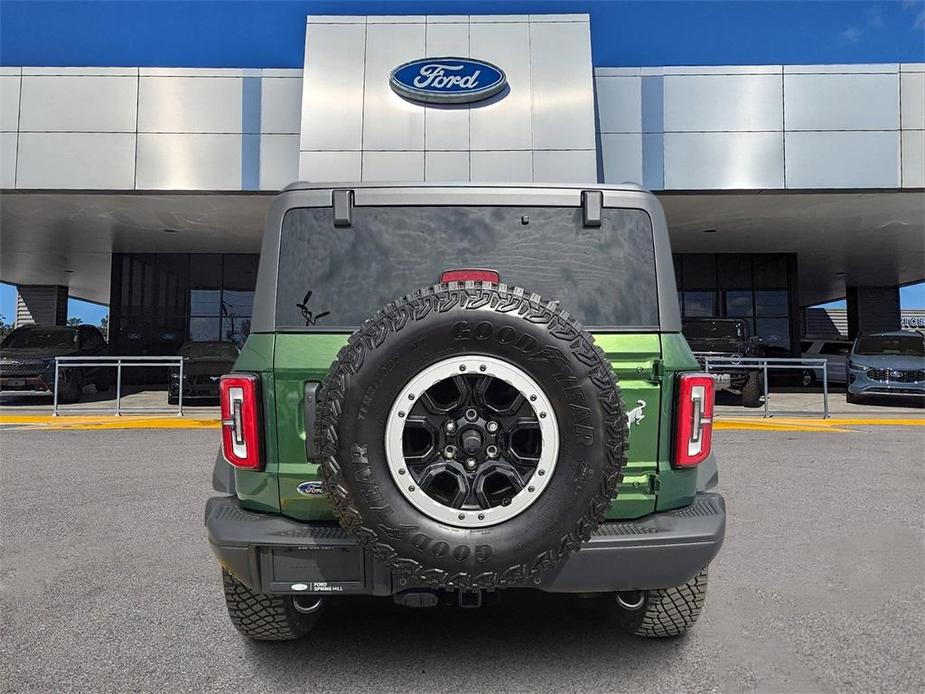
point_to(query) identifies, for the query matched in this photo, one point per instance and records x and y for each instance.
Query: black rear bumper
(275, 554)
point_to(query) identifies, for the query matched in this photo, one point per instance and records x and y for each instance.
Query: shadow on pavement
(490, 648)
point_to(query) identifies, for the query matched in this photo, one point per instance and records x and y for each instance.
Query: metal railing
(764, 364)
(118, 363)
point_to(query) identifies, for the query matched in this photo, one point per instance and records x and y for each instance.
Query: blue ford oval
(447, 80)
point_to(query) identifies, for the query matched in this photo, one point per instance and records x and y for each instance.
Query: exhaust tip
(631, 599)
(307, 604)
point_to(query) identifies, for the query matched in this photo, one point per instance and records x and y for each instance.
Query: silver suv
(887, 364)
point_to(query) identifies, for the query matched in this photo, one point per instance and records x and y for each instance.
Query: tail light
(694, 426)
(240, 398)
(467, 275)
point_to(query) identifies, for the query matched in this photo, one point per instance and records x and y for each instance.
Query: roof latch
(342, 201)
(592, 203)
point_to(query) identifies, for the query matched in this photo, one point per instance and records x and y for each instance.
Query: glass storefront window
(237, 302)
(770, 270)
(699, 304)
(734, 270)
(771, 302)
(205, 301)
(236, 329)
(753, 286)
(698, 271)
(204, 328)
(738, 303)
(775, 332)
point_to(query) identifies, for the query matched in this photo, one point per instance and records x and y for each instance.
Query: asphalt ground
(108, 584)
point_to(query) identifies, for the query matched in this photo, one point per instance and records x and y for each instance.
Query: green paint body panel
(645, 364)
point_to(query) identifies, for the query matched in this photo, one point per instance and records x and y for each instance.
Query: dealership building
(145, 189)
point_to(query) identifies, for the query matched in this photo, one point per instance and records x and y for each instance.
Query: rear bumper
(272, 553)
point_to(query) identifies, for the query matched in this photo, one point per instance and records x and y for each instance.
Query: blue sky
(271, 33)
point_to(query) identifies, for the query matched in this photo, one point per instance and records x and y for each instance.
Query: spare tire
(472, 436)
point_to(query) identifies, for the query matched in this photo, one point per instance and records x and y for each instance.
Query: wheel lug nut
(451, 427)
(492, 427)
(492, 451)
(449, 452)
(471, 414)
(470, 464)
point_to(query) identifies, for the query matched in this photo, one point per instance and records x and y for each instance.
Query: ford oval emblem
(310, 488)
(447, 80)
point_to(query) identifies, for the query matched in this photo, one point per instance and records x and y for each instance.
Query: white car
(835, 353)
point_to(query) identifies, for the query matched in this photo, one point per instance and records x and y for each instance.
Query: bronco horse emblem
(635, 415)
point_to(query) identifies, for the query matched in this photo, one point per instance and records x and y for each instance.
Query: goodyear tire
(265, 617)
(507, 336)
(666, 612)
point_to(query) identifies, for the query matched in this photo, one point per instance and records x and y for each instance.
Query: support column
(41, 304)
(872, 310)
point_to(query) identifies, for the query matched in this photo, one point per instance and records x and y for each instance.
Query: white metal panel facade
(95, 161)
(149, 128)
(773, 126)
(548, 107)
(669, 128)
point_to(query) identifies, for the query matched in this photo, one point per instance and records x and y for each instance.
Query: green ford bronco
(450, 391)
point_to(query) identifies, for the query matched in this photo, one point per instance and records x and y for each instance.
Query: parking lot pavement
(108, 584)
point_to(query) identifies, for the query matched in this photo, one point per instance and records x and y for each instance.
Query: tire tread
(263, 617)
(668, 612)
(470, 295)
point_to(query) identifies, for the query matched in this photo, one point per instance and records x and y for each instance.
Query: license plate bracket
(314, 569)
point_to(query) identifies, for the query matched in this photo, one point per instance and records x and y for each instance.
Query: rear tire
(666, 612)
(265, 617)
(751, 390)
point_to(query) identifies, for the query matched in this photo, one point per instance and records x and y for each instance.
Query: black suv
(27, 359)
(727, 337)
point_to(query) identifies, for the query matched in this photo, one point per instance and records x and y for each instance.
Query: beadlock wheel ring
(476, 367)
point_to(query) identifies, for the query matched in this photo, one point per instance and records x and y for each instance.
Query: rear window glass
(333, 278)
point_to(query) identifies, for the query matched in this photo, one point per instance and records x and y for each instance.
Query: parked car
(891, 364)
(203, 365)
(471, 437)
(27, 360)
(730, 338)
(835, 353)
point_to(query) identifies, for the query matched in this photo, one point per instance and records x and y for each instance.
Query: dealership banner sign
(447, 80)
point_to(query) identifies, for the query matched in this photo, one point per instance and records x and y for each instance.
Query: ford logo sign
(447, 80)
(310, 488)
